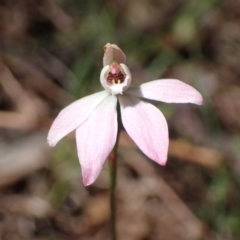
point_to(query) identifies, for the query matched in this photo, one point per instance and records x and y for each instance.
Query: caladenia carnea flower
(95, 117)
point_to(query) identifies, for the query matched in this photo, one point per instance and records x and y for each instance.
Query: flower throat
(115, 75)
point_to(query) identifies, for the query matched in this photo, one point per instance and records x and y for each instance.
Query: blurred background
(51, 54)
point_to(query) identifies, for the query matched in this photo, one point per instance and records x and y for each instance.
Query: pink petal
(147, 127)
(169, 91)
(96, 138)
(73, 116)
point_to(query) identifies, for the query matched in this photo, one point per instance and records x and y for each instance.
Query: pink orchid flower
(95, 117)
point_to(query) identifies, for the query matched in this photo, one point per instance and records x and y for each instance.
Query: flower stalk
(112, 163)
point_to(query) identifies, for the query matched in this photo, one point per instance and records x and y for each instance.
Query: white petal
(96, 138)
(169, 91)
(147, 127)
(74, 115)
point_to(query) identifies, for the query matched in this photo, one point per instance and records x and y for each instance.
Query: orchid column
(95, 118)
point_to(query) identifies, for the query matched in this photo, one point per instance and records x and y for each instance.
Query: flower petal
(96, 138)
(147, 126)
(169, 91)
(73, 116)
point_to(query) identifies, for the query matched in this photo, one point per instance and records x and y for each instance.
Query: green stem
(112, 162)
